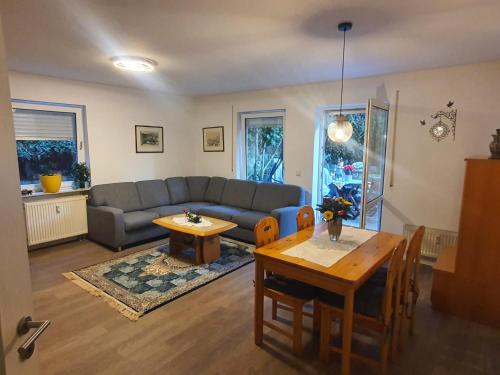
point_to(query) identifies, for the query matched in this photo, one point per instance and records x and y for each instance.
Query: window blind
(264, 121)
(35, 125)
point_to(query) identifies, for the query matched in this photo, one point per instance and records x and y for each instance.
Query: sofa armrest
(287, 218)
(106, 225)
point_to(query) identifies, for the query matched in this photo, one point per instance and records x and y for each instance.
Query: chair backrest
(266, 231)
(393, 282)
(412, 264)
(305, 218)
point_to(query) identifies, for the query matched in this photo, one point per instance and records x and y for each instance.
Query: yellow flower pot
(51, 184)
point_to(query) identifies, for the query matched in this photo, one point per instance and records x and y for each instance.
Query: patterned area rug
(141, 282)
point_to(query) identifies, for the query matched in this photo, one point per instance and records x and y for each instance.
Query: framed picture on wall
(148, 139)
(213, 139)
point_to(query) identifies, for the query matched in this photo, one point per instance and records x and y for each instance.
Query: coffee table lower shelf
(207, 248)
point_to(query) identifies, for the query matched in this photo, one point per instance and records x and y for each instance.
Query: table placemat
(321, 250)
(182, 220)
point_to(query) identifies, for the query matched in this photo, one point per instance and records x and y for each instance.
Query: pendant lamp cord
(342, 82)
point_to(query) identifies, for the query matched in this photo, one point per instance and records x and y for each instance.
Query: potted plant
(50, 179)
(81, 175)
(334, 210)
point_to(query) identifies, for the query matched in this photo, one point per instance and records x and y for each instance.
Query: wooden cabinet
(467, 278)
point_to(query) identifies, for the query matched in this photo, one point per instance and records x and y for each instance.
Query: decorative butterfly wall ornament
(446, 124)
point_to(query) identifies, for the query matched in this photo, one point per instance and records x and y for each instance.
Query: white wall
(112, 113)
(428, 175)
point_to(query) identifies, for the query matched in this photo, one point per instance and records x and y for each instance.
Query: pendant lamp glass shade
(340, 130)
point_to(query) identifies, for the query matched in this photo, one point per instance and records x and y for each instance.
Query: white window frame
(241, 136)
(81, 131)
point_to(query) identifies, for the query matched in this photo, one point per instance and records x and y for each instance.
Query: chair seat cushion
(167, 210)
(248, 219)
(138, 219)
(379, 277)
(196, 206)
(367, 300)
(220, 212)
(291, 287)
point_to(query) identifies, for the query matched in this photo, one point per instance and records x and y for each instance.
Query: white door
(374, 164)
(15, 283)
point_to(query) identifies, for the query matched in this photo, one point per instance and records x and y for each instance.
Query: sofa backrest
(153, 193)
(197, 186)
(239, 193)
(122, 195)
(271, 196)
(177, 189)
(215, 189)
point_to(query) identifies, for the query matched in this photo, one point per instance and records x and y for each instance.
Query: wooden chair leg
(297, 328)
(316, 316)
(325, 332)
(396, 329)
(412, 314)
(275, 309)
(385, 351)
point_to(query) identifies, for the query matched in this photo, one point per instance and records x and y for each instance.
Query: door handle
(25, 324)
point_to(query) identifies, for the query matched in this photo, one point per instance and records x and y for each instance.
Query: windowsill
(60, 193)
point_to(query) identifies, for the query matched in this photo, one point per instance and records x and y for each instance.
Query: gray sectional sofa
(120, 214)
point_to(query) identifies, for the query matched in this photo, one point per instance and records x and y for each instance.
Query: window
(49, 138)
(262, 158)
(342, 163)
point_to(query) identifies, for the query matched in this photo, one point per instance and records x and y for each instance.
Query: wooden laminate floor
(210, 331)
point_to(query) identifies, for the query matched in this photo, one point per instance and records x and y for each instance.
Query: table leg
(347, 331)
(259, 302)
(176, 244)
(211, 248)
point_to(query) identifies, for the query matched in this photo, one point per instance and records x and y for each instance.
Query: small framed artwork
(213, 139)
(148, 139)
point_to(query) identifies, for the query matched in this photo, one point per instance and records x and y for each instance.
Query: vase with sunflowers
(334, 210)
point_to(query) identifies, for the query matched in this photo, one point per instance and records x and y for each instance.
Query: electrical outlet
(298, 173)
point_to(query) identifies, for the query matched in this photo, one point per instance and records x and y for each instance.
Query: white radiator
(55, 219)
(434, 240)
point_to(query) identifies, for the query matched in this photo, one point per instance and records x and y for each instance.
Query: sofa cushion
(215, 189)
(239, 193)
(197, 187)
(220, 212)
(167, 210)
(196, 206)
(153, 193)
(271, 196)
(121, 195)
(248, 219)
(138, 219)
(178, 190)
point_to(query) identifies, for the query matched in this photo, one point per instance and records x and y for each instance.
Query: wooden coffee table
(204, 240)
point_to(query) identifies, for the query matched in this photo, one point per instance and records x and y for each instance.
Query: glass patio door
(374, 164)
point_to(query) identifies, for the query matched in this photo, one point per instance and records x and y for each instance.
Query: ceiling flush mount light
(133, 64)
(340, 130)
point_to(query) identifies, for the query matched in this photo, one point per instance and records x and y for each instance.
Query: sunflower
(328, 215)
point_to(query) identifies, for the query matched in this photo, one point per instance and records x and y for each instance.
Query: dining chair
(409, 287)
(288, 293)
(305, 218)
(411, 279)
(375, 310)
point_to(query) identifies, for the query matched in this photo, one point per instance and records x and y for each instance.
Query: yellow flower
(328, 215)
(347, 203)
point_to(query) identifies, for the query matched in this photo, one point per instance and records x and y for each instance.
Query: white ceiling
(214, 46)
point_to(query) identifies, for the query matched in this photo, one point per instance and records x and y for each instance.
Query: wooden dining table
(344, 277)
